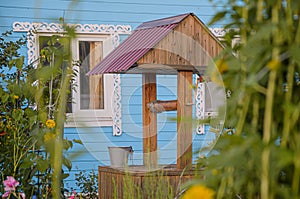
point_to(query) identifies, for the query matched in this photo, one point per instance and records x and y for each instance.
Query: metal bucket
(119, 155)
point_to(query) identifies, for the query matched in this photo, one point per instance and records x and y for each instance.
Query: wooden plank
(187, 38)
(184, 123)
(99, 183)
(198, 50)
(114, 188)
(103, 185)
(149, 121)
(109, 185)
(120, 185)
(159, 106)
(172, 44)
(139, 177)
(189, 44)
(96, 81)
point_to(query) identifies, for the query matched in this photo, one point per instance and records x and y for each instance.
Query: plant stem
(51, 90)
(242, 114)
(268, 114)
(290, 77)
(59, 131)
(255, 117)
(243, 111)
(221, 189)
(287, 112)
(269, 107)
(259, 13)
(296, 176)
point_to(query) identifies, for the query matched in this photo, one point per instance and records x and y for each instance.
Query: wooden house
(101, 26)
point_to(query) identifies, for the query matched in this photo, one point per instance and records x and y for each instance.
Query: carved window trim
(33, 29)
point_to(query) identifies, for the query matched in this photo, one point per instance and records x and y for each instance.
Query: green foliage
(17, 116)
(32, 113)
(260, 159)
(155, 185)
(54, 77)
(87, 183)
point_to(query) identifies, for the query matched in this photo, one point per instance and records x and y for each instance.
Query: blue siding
(94, 152)
(111, 12)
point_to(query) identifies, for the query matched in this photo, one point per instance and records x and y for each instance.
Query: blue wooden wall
(94, 152)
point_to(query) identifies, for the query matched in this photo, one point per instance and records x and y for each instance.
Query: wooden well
(139, 178)
(182, 45)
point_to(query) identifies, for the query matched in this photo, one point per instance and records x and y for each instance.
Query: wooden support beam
(159, 106)
(149, 121)
(184, 119)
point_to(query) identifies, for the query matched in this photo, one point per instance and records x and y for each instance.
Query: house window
(108, 111)
(91, 88)
(45, 45)
(93, 95)
(90, 100)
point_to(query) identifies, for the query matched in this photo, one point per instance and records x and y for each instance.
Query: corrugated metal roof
(163, 22)
(145, 37)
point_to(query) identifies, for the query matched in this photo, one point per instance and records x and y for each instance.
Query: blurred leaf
(64, 175)
(4, 98)
(11, 63)
(294, 51)
(67, 144)
(26, 163)
(20, 62)
(77, 141)
(218, 17)
(45, 73)
(67, 163)
(42, 165)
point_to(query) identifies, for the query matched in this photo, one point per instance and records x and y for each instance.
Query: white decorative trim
(33, 29)
(218, 32)
(221, 32)
(32, 45)
(79, 28)
(200, 107)
(117, 115)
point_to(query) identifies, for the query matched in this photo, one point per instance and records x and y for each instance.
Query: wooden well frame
(196, 45)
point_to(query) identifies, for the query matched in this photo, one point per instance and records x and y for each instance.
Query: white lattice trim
(200, 107)
(218, 32)
(79, 28)
(117, 115)
(33, 28)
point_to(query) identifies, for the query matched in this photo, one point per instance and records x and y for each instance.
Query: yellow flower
(221, 65)
(273, 64)
(215, 172)
(16, 97)
(216, 77)
(50, 123)
(48, 137)
(199, 192)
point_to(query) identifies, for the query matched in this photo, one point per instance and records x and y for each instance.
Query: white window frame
(92, 117)
(110, 35)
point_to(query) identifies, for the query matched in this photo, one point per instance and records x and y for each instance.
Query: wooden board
(137, 180)
(189, 44)
(149, 121)
(184, 119)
